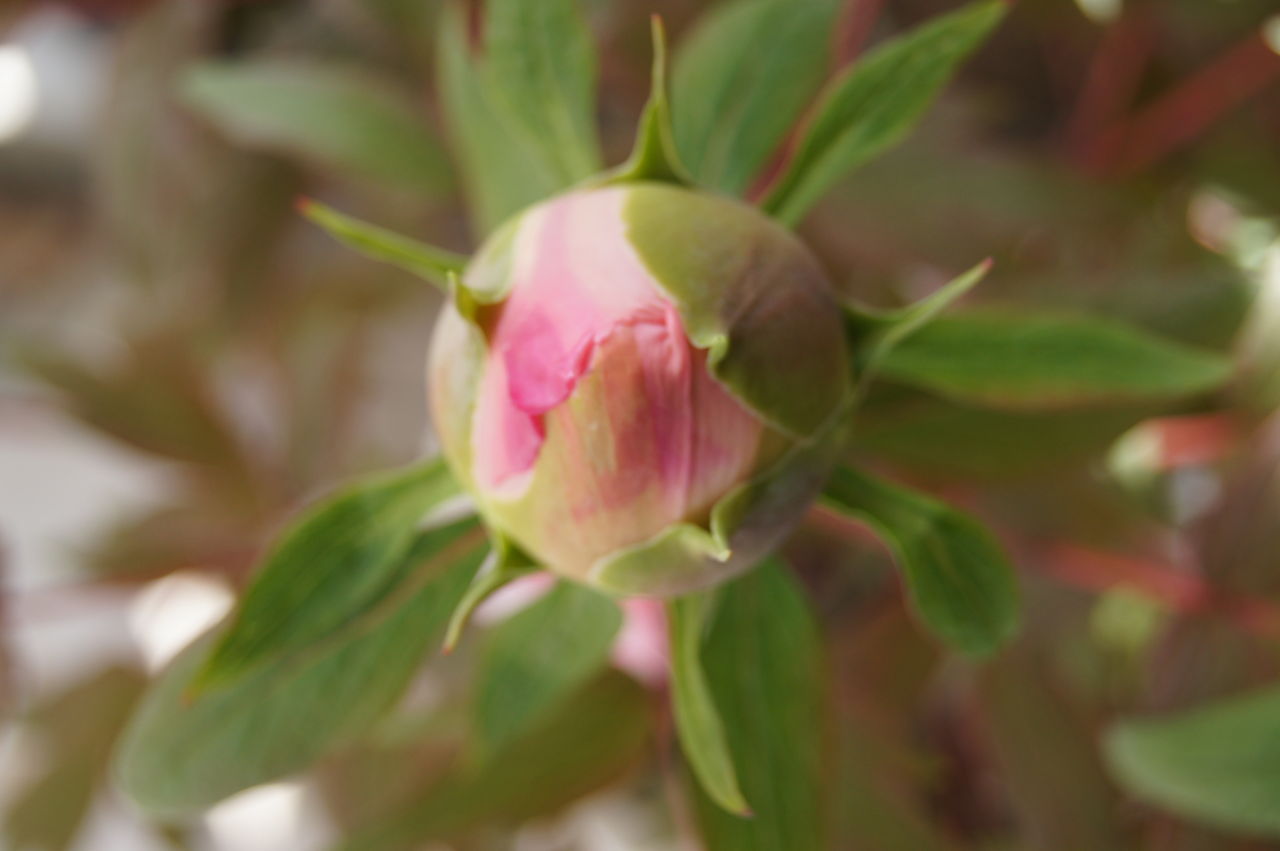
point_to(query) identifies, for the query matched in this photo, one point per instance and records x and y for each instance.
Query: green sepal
(505, 563)
(745, 526)
(873, 333)
(693, 242)
(698, 724)
(386, 246)
(654, 155)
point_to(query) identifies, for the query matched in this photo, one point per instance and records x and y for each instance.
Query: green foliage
(1031, 361)
(417, 258)
(537, 658)
(541, 62)
(872, 105)
(335, 117)
(654, 155)
(589, 740)
(340, 562)
(763, 663)
(741, 80)
(184, 751)
(521, 123)
(1216, 763)
(698, 723)
(960, 581)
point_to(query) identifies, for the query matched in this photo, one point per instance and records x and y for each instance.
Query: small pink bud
(576, 405)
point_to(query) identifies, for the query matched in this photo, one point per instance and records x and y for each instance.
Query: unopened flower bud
(643, 386)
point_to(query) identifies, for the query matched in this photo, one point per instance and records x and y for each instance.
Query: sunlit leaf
(184, 752)
(874, 104)
(960, 581)
(1034, 361)
(537, 658)
(1218, 764)
(698, 721)
(762, 658)
(335, 116)
(587, 742)
(741, 80)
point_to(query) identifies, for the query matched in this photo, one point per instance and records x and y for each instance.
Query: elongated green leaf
(697, 721)
(377, 243)
(1037, 362)
(537, 658)
(1219, 764)
(874, 104)
(502, 169)
(740, 82)
(182, 754)
(762, 658)
(337, 117)
(338, 562)
(592, 738)
(542, 68)
(959, 579)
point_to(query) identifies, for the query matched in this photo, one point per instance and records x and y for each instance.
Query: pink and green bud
(641, 385)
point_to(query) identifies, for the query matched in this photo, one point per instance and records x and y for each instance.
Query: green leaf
(875, 103)
(654, 155)
(534, 660)
(960, 582)
(336, 117)
(341, 560)
(500, 174)
(698, 722)
(1033, 361)
(590, 740)
(741, 80)
(875, 333)
(762, 658)
(377, 243)
(182, 754)
(542, 68)
(504, 564)
(1218, 764)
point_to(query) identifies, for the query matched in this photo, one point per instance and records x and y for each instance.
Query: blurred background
(183, 361)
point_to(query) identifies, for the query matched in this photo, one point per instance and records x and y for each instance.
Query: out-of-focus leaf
(938, 436)
(337, 117)
(960, 581)
(875, 103)
(698, 722)
(1044, 746)
(157, 398)
(79, 728)
(763, 661)
(588, 742)
(542, 68)
(183, 753)
(501, 172)
(740, 81)
(377, 243)
(1219, 764)
(537, 658)
(337, 563)
(1030, 361)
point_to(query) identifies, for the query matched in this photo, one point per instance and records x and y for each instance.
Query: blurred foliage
(157, 287)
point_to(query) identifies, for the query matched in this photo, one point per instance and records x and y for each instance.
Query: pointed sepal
(504, 564)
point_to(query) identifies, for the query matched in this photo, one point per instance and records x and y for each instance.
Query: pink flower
(574, 400)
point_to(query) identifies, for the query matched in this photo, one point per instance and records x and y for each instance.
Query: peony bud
(643, 386)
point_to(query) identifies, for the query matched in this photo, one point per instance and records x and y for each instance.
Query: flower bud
(643, 386)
